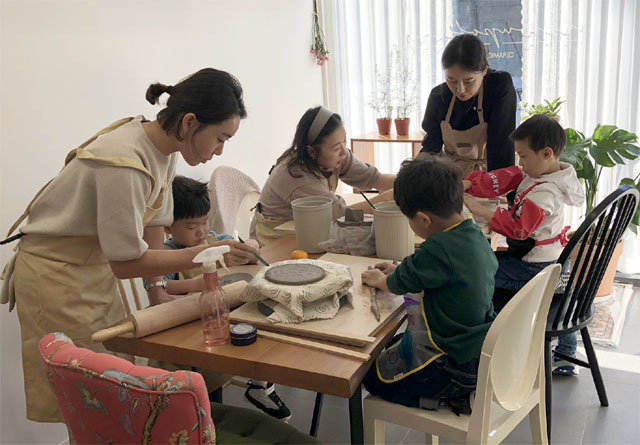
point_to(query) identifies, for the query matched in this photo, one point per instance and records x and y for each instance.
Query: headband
(318, 123)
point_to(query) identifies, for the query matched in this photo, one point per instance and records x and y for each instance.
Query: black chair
(572, 306)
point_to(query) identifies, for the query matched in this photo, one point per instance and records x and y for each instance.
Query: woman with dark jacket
(472, 114)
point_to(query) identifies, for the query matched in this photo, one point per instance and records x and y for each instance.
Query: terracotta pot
(402, 126)
(384, 126)
(606, 285)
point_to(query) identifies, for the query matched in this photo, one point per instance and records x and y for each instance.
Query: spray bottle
(214, 310)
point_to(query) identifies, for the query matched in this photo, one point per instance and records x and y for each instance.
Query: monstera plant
(608, 147)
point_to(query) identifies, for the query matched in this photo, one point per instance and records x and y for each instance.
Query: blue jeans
(513, 274)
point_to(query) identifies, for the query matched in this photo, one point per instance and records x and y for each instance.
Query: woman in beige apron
(65, 282)
(472, 114)
(312, 166)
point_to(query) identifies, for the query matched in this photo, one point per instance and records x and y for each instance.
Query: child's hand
(386, 268)
(375, 278)
(466, 184)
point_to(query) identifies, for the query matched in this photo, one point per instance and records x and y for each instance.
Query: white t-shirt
(89, 198)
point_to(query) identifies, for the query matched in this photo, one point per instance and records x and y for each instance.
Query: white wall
(68, 68)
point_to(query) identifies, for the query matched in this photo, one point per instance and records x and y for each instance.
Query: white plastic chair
(230, 193)
(510, 379)
(245, 214)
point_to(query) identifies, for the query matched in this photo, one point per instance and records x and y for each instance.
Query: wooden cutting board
(353, 325)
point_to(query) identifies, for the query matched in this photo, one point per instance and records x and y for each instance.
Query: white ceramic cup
(312, 217)
(394, 238)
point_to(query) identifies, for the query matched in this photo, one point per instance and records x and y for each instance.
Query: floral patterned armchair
(107, 400)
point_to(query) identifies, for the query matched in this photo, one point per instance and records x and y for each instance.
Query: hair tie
(318, 123)
(170, 89)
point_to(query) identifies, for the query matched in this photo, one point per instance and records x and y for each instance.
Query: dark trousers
(443, 378)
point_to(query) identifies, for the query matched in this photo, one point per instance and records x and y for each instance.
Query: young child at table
(534, 225)
(437, 357)
(191, 228)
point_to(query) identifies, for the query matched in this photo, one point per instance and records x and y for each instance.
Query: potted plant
(404, 92)
(381, 102)
(607, 147)
(549, 108)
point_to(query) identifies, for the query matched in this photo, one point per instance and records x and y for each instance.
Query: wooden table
(363, 146)
(272, 361)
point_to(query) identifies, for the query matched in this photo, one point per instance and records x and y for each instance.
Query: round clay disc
(295, 274)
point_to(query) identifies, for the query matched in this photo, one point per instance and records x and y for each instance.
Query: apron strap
(480, 111)
(116, 161)
(562, 237)
(27, 210)
(519, 198)
(450, 110)
(81, 153)
(480, 102)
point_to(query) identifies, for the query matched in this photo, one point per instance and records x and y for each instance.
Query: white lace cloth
(294, 304)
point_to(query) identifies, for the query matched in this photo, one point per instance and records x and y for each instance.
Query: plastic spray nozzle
(208, 258)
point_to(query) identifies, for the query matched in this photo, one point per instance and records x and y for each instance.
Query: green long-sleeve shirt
(455, 269)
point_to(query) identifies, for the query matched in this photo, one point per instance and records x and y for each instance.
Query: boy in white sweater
(533, 225)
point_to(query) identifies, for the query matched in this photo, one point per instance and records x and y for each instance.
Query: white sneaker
(267, 400)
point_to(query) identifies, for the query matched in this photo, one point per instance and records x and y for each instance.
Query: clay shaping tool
(374, 299)
(255, 254)
(367, 199)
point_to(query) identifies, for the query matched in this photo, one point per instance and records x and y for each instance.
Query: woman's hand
(239, 253)
(477, 208)
(375, 278)
(386, 268)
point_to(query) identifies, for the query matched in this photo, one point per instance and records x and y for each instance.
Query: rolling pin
(164, 316)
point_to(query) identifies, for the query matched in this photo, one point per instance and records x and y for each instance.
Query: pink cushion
(105, 399)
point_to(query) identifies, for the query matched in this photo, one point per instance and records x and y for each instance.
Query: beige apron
(265, 228)
(467, 149)
(66, 284)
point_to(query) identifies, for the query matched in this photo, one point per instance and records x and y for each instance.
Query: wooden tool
(374, 299)
(164, 316)
(314, 345)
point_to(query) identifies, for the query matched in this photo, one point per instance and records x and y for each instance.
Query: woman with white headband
(312, 166)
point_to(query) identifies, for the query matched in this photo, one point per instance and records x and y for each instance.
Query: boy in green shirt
(452, 273)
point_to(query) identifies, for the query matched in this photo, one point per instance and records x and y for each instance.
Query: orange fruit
(299, 255)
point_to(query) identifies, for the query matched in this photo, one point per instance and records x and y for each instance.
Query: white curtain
(587, 52)
(365, 33)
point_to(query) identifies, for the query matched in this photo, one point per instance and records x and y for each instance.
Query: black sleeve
(501, 123)
(432, 142)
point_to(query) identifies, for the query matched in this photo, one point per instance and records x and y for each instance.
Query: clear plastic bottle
(214, 311)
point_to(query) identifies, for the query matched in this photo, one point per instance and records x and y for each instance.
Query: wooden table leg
(355, 417)
(365, 151)
(415, 149)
